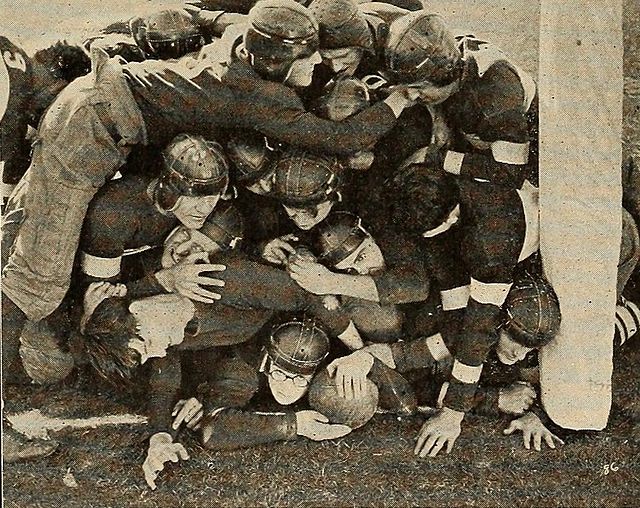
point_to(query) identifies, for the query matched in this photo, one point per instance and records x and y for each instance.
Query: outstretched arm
(228, 428)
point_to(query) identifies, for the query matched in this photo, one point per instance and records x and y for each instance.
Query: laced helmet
(250, 157)
(420, 47)
(531, 311)
(192, 166)
(342, 24)
(278, 33)
(167, 34)
(298, 346)
(338, 236)
(306, 179)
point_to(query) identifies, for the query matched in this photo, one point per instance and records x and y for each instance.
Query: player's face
(192, 211)
(365, 260)
(287, 387)
(184, 242)
(307, 218)
(509, 351)
(156, 332)
(301, 71)
(342, 61)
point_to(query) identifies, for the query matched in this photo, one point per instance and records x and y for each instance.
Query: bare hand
(316, 426)
(96, 293)
(533, 429)
(516, 398)
(162, 449)
(360, 161)
(331, 302)
(438, 431)
(312, 276)
(350, 373)
(184, 278)
(410, 93)
(279, 249)
(188, 411)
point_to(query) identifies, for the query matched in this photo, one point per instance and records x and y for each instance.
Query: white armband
(100, 268)
(467, 374)
(456, 298)
(438, 348)
(453, 162)
(489, 293)
(510, 153)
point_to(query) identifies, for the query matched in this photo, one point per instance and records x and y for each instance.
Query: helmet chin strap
(263, 363)
(288, 75)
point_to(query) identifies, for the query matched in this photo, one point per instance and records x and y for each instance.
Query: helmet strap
(263, 363)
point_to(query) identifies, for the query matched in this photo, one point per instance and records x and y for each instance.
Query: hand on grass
(438, 431)
(162, 449)
(533, 430)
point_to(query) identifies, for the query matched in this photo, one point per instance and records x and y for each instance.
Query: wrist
(164, 279)
(397, 102)
(334, 283)
(452, 413)
(160, 437)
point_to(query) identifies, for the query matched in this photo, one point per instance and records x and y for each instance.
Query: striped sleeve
(476, 339)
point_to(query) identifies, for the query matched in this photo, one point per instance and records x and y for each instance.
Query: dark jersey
(241, 410)
(493, 122)
(205, 96)
(493, 117)
(122, 220)
(435, 355)
(16, 74)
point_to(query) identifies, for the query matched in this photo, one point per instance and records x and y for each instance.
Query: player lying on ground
(531, 318)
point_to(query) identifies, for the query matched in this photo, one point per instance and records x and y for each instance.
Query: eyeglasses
(298, 380)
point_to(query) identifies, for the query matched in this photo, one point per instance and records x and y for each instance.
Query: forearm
(146, 286)
(355, 286)
(485, 401)
(303, 129)
(164, 385)
(482, 165)
(422, 353)
(228, 429)
(250, 284)
(477, 338)
(398, 286)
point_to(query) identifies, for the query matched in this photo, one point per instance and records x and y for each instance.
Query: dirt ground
(373, 466)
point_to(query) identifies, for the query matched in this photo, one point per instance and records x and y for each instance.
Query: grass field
(373, 466)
